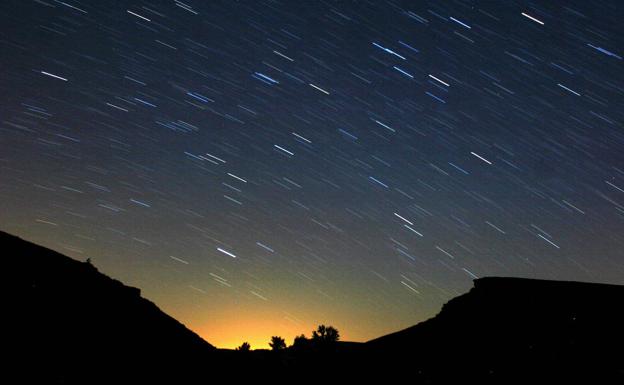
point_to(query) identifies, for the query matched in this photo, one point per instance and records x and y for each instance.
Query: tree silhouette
(300, 341)
(301, 345)
(326, 334)
(277, 343)
(245, 347)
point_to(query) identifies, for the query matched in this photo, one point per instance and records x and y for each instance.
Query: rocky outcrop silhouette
(509, 330)
(72, 324)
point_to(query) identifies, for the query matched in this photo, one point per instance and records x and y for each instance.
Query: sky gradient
(258, 168)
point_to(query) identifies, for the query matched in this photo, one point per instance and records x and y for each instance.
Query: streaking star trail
(259, 168)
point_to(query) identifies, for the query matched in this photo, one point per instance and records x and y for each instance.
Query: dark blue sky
(258, 168)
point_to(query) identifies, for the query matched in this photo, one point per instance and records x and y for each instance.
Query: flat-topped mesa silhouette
(69, 323)
(76, 324)
(506, 329)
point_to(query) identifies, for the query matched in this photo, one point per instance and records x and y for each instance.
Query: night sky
(258, 168)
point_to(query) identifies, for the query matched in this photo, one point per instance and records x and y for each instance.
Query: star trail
(260, 167)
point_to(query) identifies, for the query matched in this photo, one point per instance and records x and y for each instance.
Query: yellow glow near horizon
(257, 332)
(227, 324)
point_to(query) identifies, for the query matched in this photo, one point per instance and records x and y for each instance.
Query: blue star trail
(356, 163)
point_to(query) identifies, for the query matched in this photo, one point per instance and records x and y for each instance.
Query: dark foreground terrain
(69, 323)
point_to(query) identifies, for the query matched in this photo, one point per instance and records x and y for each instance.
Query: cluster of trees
(322, 337)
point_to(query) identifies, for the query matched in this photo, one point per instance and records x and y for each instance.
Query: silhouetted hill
(68, 323)
(512, 330)
(71, 323)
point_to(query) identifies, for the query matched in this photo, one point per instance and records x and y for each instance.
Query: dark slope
(511, 330)
(68, 323)
(71, 323)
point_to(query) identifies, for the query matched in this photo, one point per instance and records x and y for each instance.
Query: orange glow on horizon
(257, 332)
(231, 330)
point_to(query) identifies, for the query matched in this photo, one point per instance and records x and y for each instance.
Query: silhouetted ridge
(73, 321)
(505, 329)
(68, 323)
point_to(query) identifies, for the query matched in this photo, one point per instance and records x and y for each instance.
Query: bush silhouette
(326, 334)
(277, 343)
(245, 347)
